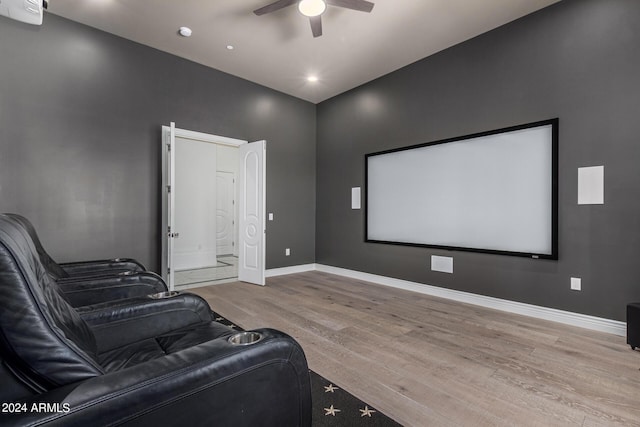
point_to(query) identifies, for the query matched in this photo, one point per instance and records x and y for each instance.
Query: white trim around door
(169, 133)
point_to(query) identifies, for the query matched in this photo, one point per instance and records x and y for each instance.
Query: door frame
(164, 223)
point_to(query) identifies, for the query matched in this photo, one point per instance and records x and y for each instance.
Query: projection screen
(493, 192)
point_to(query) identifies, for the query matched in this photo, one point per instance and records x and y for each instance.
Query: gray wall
(80, 118)
(577, 60)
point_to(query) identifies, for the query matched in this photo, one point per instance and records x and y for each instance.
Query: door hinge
(168, 189)
(168, 147)
(170, 234)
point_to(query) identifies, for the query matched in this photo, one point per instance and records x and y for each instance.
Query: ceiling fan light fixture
(312, 8)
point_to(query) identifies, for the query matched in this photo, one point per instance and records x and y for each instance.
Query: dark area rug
(333, 406)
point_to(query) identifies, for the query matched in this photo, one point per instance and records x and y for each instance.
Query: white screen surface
(492, 192)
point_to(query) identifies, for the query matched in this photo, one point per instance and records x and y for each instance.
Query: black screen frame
(555, 122)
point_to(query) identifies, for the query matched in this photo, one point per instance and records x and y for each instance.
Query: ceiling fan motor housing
(315, 8)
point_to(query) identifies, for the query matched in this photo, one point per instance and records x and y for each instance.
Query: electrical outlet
(287, 252)
(443, 264)
(576, 284)
(270, 216)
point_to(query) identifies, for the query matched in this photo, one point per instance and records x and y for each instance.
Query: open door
(250, 197)
(168, 202)
(252, 210)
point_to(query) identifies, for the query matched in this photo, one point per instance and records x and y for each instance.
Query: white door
(251, 207)
(225, 212)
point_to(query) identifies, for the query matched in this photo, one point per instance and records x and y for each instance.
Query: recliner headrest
(49, 264)
(40, 333)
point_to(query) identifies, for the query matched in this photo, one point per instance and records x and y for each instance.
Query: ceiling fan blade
(359, 5)
(274, 6)
(316, 25)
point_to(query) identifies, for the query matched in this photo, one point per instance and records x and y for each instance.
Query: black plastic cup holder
(163, 295)
(245, 338)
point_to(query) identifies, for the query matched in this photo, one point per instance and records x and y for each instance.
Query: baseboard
(272, 272)
(566, 317)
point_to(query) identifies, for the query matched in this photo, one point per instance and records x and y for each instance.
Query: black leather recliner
(78, 269)
(135, 362)
(98, 285)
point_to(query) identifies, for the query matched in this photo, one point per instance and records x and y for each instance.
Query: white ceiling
(278, 51)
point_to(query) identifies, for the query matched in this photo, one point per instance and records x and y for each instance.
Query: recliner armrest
(83, 268)
(118, 323)
(214, 383)
(88, 291)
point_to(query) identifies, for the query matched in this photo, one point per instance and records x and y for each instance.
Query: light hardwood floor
(426, 361)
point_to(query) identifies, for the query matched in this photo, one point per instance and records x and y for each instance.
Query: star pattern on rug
(366, 412)
(337, 408)
(330, 388)
(331, 411)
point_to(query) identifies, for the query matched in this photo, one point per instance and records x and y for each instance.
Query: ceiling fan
(315, 8)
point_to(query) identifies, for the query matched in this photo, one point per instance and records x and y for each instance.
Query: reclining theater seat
(106, 371)
(92, 289)
(76, 269)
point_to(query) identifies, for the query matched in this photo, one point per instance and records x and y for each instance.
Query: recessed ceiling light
(312, 79)
(185, 31)
(230, 47)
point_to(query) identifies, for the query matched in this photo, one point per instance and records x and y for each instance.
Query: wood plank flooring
(427, 361)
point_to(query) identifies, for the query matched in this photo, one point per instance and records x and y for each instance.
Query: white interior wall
(195, 204)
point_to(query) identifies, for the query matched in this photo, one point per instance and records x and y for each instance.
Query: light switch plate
(287, 252)
(270, 216)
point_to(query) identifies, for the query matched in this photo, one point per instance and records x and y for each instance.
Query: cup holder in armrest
(162, 295)
(245, 338)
